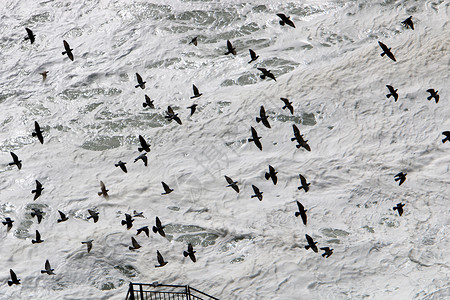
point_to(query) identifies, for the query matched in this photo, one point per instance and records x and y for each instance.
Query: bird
(148, 102)
(305, 185)
(190, 252)
(141, 83)
(144, 229)
(434, 94)
(88, 244)
(172, 116)
(16, 161)
(386, 51)
(144, 146)
(63, 217)
(44, 75)
(161, 261)
(135, 244)
(311, 244)
(253, 55)
(144, 158)
(159, 228)
(48, 269)
(266, 73)
(37, 192)
(255, 138)
(392, 92)
(194, 41)
(262, 117)
(230, 48)
(68, 50)
(285, 20)
(128, 221)
(30, 35)
(299, 138)
(196, 92)
(93, 214)
(38, 132)
(36, 212)
(122, 164)
(138, 214)
(232, 183)
(104, 191)
(8, 222)
(327, 252)
(14, 279)
(38, 238)
(399, 208)
(400, 176)
(301, 212)
(271, 174)
(257, 194)
(288, 105)
(193, 107)
(408, 23)
(447, 136)
(167, 189)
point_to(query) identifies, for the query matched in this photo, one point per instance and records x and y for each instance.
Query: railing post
(131, 292)
(141, 292)
(188, 292)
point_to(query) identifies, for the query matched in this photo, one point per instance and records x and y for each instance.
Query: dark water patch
(331, 232)
(72, 94)
(102, 143)
(126, 270)
(307, 119)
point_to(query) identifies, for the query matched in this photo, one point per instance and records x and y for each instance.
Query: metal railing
(156, 291)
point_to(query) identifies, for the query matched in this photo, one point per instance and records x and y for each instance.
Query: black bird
(159, 228)
(271, 174)
(48, 269)
(194, 41)
(285, 20)
(190, 253)
(266, 73)
(14, 279)
(257, 194)
(400, 176)
(141, 83)
(253, 55)
(447, 136)
(196, 92)
(399, 208)
(263, 117)
(128, 221)
(193, 107)
(122, 164)
(408, 23)
(144, 229)
(93, 215)
(8, 222)
(161, 261)
(44, 75)
(38, 132)
(144, 146)
(327, 252)
(63, 217)
(301, 212)
(230, 49)
(386, 51)
(299, 138)
(232, 183)
(311, 244)
(255, 138)
(172, 116)
(167, 189)
(16, 161)
(104, 191)
(434, 94)
(305, 185)
(37, 192)
(38, 238)
(392, 92)
(144, 158)
(148, 102)
(288, 105)
(88, 244)
(68, 50)
(36, 212)
(30, 35)
(135, 244)
(138, 214)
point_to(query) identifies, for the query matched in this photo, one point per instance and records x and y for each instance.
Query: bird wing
(302, 179)
(37, 127)
(166, 187)
(47, 265)
(38, 185)
(92, 213)
(296, 130)
(431, 91)
(66, 46)
(252, 54)
(63, 216)
(102, 186)
(169, 110)
(135, 243)
(271, 170)
(262, 112)
(264, 70)
(235, 187)
(282, 16)
(300, 207)
(190, 248)
(195, 89)
(178, 120)
(38, 236)
(309, 239)
(383, 46)
(143, 142)
(14, 156)
(29, 32)
(160, 258)
(255, 189)
(128, 218)
(229, 180)
(229, 46)
(158, 222)
(254, 134)
(13, 275)
(139, 78)
(446, 133)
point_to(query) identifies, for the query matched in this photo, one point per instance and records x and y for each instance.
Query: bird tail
(140, 149)
(382, 54)
(33, 214)
(307, 247)
(282, 23)
(446, 139)
(34, 133)
(297, 214)
(250, 140)
(298, 146)
(144, 104)
(395, 208)
(116, 165)
(185, 254)
(10, 282)
(263, 76)
(59, 220)
(258, 120)
(124, 222)
(267, 176)
(300, 187)
(42, 271)
(64, 52)
(33, 241)
(155, 230)
(99, 193)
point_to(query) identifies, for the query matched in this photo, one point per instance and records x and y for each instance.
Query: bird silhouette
(88, 244)
(138, 214)
(301, 212)
(144, 229)
(257, 194)
(93, 214)
(63, 217)
(144, 146)
(196, 92)
(103, 191)
(128, 221)
(159, 228)
(14, 279)
(392, 92)
(232, 183)
(30, 35)
(272, 174)
(38, 238)
(299, 138)
(288, 105)
(194, 41)
(68, 50)
(44, 75)
(38, 132)
(305, 185)
(190, 252)
(400, 176)
(135, 244)
(172, 116)
(141, 83)
(37, 192)
(148, 102)
(386, 51)
(447, 136)
(255, 138)
(193, 107)
(36, 212)
(48, 269)
(285, 20)
(266, 73)
(262, 117)
(160, 259)
(327, 252)
(253, 56)
(9, 223)
(143, 157)
(311, 244)
(167, 189)
(230, 48)
(122, 164)
(408, 23)
(433, 94)
(399, 208)
(16, 161)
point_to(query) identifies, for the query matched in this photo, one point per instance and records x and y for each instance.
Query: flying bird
(30, 35)
(88, 244)
(63, 217)
(285, 20)
(193, 107)
(271, 174)
(232, 183)
(44, 75)
(144, 146)
(386, 51)
(135, 244)
(299, 138)
(392, 92)
(172, 116)
(399, 208)
(38, 132)
(141, 83)
(37, 192)
(159, 228)
(253, 55)
(104, 191)
(305, 185)
(327, 252)
(14, 279)
(161, 261)
(68, 50)
(128, 221)
(266, 73)
(255, 138)
(230, 48)
(144, 229)
(301, 212)
(433, 94)
(262, 117)
(400, 176)
(144, 158)
(447, 136)
(288, 105)
(190, 252)
(257, 194)
(194, 41)
(311, 244)
(196, 92)
(122, 164)
(408, 23)
(93, 215)
(38, 238)
(148, 102)
(16, 161)
(167, 189)
(48, 269)
(36, 212)
(138, 214)
(8, 222)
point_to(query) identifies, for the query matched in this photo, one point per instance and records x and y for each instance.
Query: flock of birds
(171, 115)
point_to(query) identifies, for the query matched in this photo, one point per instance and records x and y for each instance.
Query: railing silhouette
(156, 291)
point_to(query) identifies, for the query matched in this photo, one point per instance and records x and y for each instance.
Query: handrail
(141, 291)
